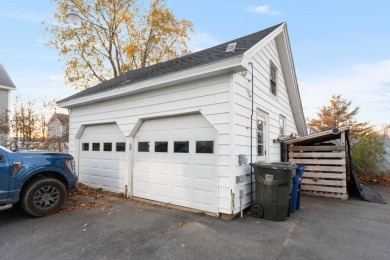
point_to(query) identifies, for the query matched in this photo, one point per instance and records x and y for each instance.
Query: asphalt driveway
(117, 228)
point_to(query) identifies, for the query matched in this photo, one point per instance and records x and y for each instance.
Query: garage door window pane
(107, 147)
(85, 146)
(143, 146)
(204, 146)
(120, 147)
(96, 147)
(181, 147)
(161, 147)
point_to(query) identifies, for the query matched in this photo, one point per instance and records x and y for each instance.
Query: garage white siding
(265, 102)
(210, 97)
(100, 164)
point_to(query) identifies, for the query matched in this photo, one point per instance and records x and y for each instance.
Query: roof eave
(224, 66)
(299, 115)
(7, 88)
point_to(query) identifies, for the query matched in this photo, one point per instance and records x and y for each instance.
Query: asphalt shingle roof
(200, 58)
(5, 80)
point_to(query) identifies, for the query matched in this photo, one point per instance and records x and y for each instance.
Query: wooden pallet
(325, 173)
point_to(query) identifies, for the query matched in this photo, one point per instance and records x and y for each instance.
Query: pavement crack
(288, 239)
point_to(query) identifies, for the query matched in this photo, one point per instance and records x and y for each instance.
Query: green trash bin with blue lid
(273, 190)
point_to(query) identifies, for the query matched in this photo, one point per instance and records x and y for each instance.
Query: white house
(58, 125)
(174, 132)
(6, 85)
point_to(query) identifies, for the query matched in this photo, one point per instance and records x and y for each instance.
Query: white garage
(102, 160)
(191, 125)
(175, 162)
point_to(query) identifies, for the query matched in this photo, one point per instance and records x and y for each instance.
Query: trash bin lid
(275, 165)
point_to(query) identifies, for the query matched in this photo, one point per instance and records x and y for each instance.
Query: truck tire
(43, 196)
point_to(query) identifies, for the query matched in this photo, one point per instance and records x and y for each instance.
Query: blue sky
(339, 47)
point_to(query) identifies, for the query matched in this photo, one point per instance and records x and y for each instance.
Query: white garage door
(175, 162)
(103, 157)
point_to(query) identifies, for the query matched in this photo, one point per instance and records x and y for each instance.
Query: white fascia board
(209, 70)
(7, 88)
(298, 107)
(258, 46)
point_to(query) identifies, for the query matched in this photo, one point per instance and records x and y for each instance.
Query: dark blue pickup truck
(37, 180)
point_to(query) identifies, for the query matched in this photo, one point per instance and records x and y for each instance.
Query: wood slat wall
(325, 173)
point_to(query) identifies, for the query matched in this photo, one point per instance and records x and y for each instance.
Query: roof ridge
(189, 61)
(204, 50)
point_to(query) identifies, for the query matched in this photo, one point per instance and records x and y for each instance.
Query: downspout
(251, 143)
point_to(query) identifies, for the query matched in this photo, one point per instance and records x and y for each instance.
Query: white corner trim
(228, 65)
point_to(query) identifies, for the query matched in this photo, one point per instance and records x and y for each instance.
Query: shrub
(366, 154)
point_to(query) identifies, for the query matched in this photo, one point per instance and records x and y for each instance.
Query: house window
(95, 146)
(181, 147)
(204, 146)
(107, 147)
(120, 147)
(161, 147)
(85, 146)
(143, 146)
(260, 137)
(282, 125)
(273, 76)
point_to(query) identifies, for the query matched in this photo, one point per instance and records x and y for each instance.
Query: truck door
(4, 177)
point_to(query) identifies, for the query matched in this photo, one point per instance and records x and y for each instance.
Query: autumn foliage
(338, 113)
(115, 36)
(367, 147)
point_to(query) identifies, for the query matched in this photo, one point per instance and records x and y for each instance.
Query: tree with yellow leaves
(115, 36)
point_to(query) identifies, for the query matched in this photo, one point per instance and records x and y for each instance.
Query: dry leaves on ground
(83, 189)
(81, 198)
(86, 206)
(385, 181)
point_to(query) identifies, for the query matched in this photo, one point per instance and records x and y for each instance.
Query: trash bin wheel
(257, 211)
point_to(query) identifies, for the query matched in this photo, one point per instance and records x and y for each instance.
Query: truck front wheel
(43, 196)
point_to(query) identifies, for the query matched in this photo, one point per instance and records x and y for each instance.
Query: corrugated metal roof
(319, 137)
